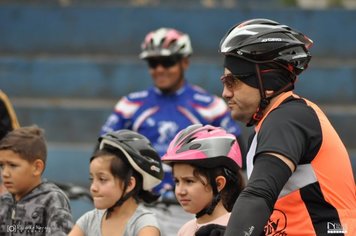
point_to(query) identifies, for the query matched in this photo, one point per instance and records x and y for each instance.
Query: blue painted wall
(89, 53)
(120, 30)
(112, 78)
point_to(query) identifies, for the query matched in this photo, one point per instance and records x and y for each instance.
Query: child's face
(191, 193)
(105, 188)
(17, 174)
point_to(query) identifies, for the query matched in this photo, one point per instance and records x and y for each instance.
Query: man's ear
(38, 167)
(131, 185)
(220, 182)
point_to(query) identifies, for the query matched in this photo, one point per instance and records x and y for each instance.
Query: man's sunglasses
(231, 80)
(166, 62)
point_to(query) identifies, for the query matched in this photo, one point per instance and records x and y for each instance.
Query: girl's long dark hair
(233, 187)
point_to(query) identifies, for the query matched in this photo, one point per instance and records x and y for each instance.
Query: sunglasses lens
(231, 80)
(169, 62)
(228, 80)
(152, 63)
(166, 62)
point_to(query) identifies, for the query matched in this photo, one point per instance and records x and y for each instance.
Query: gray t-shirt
(90, 222)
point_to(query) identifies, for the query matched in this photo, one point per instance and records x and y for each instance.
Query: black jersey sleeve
(255, 203)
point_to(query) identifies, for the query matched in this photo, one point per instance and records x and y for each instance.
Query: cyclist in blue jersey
(172, 103)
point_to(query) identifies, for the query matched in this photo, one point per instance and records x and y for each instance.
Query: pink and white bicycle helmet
(165, 42)
(204, 146)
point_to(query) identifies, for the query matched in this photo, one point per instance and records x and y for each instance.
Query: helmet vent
(173, 41)
(191, 139)
(148, 154)
(162, 41)
(151, 43)
(195, 146)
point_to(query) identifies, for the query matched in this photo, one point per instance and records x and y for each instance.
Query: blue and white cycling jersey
(161, 116)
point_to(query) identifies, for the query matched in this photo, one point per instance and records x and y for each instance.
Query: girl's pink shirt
(189, 228)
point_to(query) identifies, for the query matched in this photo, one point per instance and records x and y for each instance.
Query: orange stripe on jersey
(325, 205)
(280, 222)
(337, 186)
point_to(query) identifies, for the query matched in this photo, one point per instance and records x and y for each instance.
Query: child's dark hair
(121, 168)
(233, 187)
(28, 142)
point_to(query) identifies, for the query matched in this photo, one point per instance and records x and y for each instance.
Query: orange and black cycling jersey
(319, 198)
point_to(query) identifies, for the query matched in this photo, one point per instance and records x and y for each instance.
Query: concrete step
(79, 120)
(119, 30)
(251, 4)
(106, 77)
(343, 119)
(352, 153)
(66, 121)
(69, 163)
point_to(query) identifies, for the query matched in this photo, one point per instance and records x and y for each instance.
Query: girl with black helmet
(123, 171)
(206, 163)
(300, 180)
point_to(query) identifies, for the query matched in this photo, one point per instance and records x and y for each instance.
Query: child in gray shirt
(31, 206)
(122, 171)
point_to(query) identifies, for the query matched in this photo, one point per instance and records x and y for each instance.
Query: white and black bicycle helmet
(139, 153)
(265, 41)
(165, 42)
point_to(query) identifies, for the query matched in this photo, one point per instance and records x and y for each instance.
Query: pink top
(189, 228)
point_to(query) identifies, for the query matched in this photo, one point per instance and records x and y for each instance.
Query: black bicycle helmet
(265, 41)
(139, 153)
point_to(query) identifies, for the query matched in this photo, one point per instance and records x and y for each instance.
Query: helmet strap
(209, 210)
(123, 197)
(216, 199)
(257, 116)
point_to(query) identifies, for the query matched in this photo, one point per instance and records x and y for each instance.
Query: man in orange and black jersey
(300, 180)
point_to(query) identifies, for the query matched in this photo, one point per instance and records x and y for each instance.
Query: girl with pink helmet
(206, 164)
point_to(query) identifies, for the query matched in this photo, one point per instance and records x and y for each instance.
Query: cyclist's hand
(211, 230)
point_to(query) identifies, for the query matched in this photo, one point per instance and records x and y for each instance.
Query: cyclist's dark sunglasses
(166, 62)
